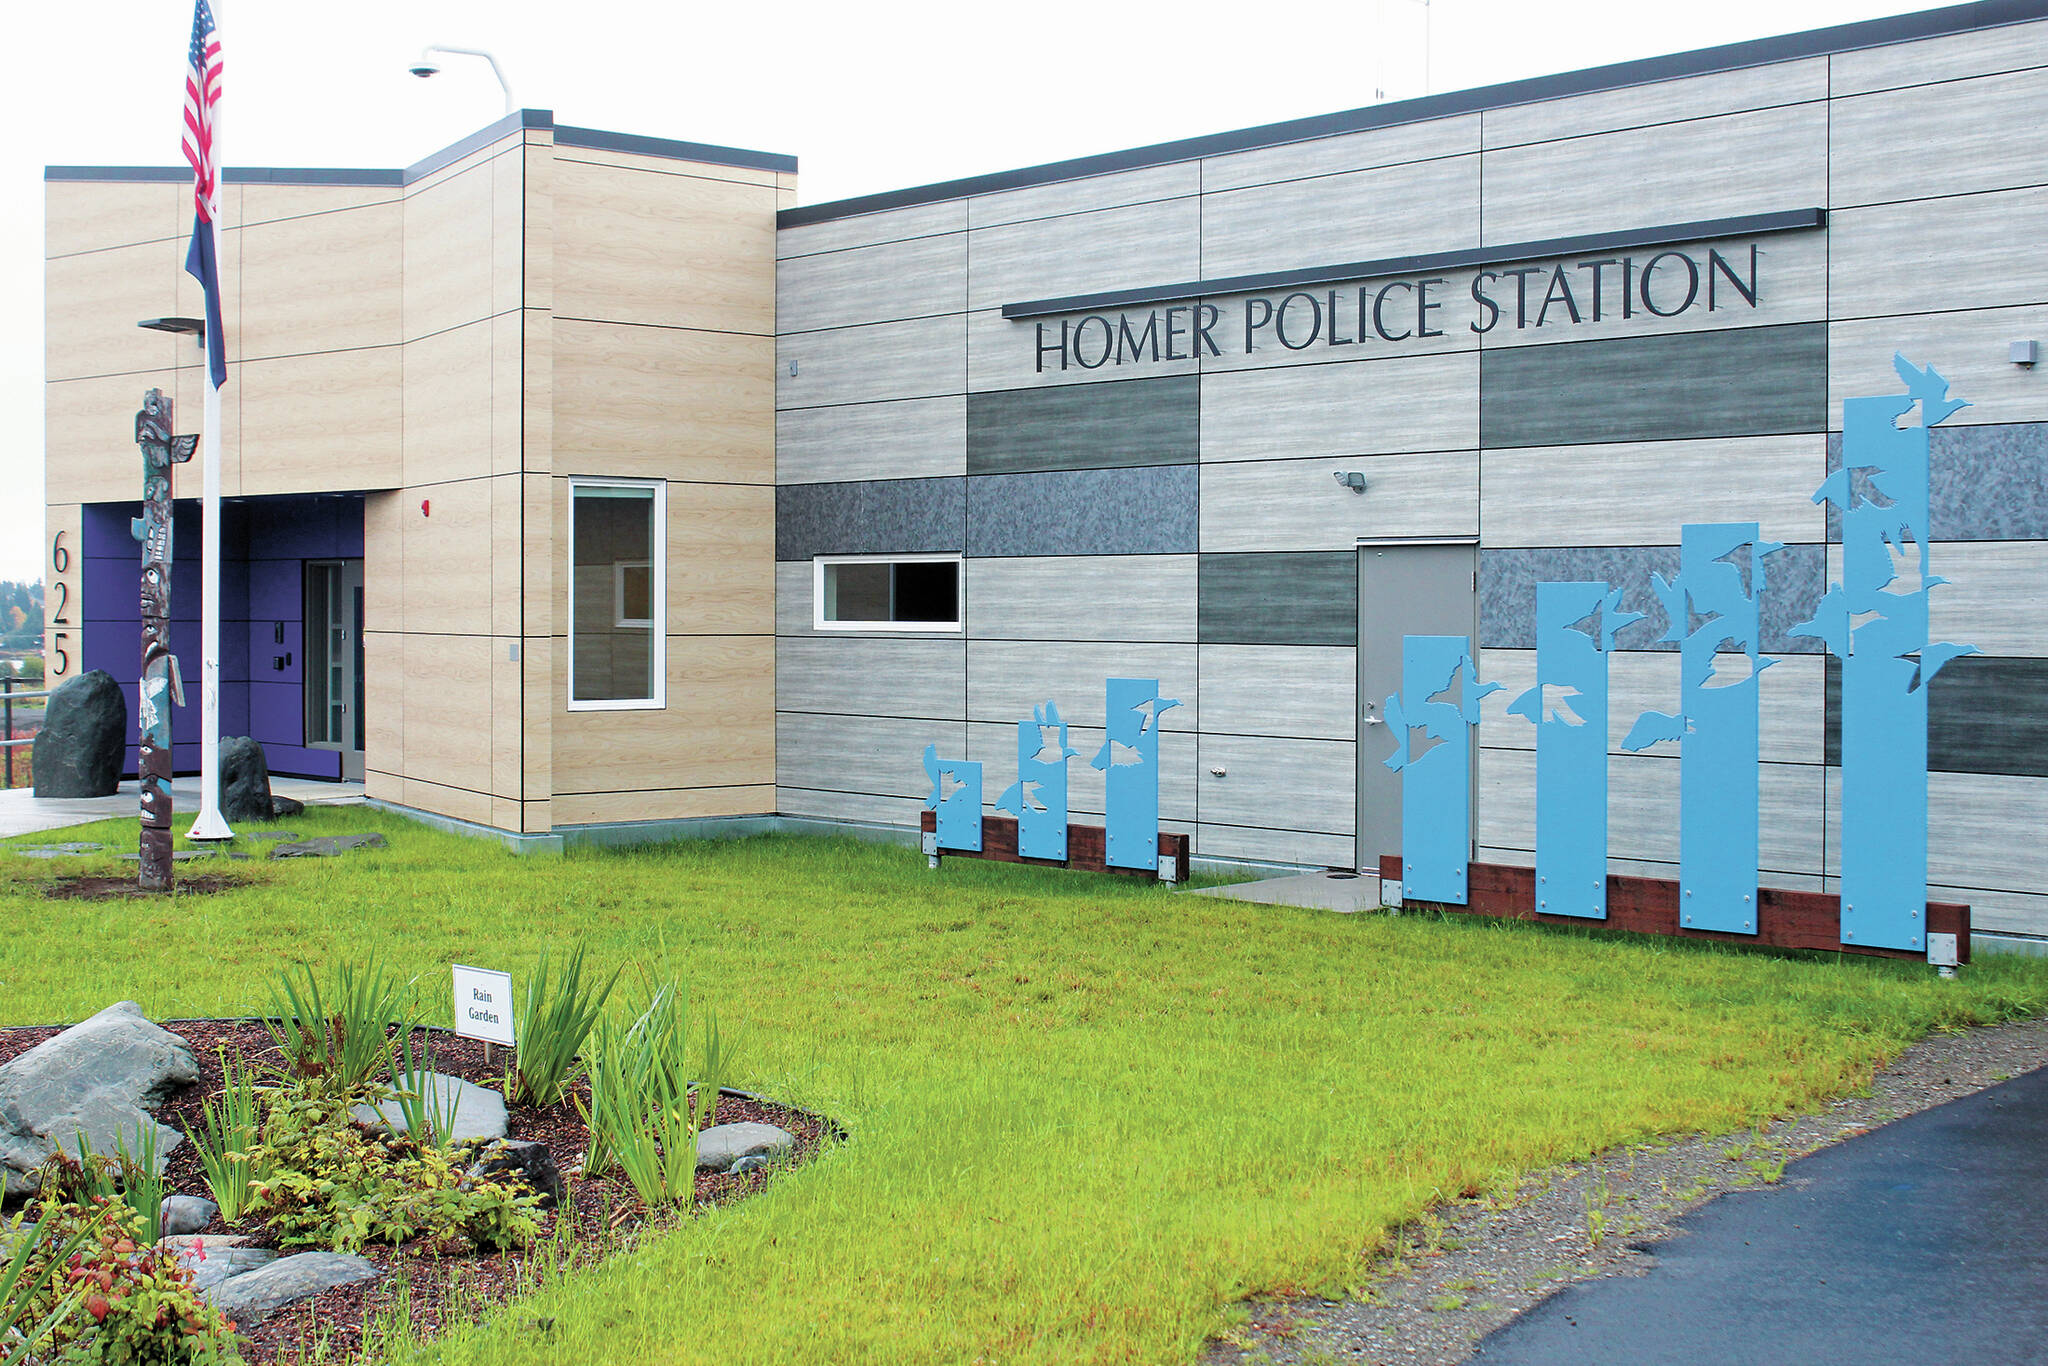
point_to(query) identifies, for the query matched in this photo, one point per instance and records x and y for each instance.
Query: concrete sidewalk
(1922, 1241)
(24, 813)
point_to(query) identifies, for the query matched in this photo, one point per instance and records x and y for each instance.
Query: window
(887, 593)
(616, 593)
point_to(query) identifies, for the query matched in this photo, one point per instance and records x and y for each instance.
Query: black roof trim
(515, 122)
(1749, 225)
(1732, 56)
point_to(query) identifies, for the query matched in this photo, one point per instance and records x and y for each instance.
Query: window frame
(958, 626)
(657, 595)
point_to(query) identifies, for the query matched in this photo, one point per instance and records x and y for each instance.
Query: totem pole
(161, 685)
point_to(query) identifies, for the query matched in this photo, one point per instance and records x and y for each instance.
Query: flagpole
(209, 824)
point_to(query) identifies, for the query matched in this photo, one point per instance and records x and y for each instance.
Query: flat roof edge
(597, 139)
(1965, 18)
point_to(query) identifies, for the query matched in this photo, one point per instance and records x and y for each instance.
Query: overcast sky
(869, 96)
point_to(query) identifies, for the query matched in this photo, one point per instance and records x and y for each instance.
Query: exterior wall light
(2025, 353)
(1350, 479)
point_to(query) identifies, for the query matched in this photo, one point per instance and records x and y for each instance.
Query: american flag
(202, 105)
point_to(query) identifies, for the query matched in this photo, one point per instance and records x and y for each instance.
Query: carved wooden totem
(161, 685)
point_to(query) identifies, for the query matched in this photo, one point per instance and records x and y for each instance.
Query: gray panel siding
(1508, 579)
(1084, 512)
(1986, 483)
(870, 517)
(1082, 597)
(1306, 598)
(1752, 381)
(1984, 715)
(869, 676)
(913, 439)
(1085, 426)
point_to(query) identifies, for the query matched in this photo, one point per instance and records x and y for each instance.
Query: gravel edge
(1469, 1266)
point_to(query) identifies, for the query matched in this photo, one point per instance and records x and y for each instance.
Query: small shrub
(554, 1023)
(331, 1183)
(228, 1138)
(429, 1115)
(342, 1035)
(135, 1179)
(130, 1303)
(34, 1303)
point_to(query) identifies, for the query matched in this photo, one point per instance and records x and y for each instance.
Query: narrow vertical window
(616, 593)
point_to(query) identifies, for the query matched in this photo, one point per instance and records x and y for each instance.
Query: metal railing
(8, 697)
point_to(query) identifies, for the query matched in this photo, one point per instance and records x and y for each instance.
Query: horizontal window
(887, 593)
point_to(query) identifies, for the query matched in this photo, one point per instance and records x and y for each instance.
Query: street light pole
(426, 66)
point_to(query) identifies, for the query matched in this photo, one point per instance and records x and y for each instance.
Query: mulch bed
(79, 888)
(435, 1291)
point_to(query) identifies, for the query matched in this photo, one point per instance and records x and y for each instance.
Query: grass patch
(1087, 1115)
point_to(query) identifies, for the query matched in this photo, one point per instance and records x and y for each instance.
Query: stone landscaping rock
(97, 1077)
(213, 1260)
(244, 780)
(264, 834)
(749, 1164)
(327, 846)
(479, 1111)
(283, 808)
(253, 1296)
(78, 750)
(187, 1214)
(721, 1145)
(531, 1162)
(59, 850)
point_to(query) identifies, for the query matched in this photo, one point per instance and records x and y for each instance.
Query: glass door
(334, 661)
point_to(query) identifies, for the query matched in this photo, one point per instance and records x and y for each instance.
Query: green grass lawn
(1087, 1116)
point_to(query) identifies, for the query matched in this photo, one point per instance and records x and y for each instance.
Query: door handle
(1371, 721)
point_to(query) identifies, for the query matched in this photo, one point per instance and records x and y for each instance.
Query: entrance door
(1404, 589)
(334, 661)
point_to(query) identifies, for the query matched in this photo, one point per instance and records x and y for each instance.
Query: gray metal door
(1403, 590)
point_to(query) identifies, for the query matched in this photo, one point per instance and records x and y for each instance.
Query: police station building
(585, 482)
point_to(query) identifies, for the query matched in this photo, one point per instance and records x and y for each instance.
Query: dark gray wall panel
(870, 517)
(1750, 381)
(1984, 715)
(1986, 483)
(1297, 598)
(1148, 511)
(1085, 426)
(1508, 579)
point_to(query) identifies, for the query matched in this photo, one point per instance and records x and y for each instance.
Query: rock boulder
(253, 1296)
(479, 1111)
(78, 750)
(721, 1145)
(244, 781)
(97, 1078)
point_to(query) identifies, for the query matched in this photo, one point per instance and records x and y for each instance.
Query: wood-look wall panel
(1642, 493)
(1085, 426)
(268, 202)
(1969, 348)
(507, 725)
(662, 804)
(538, 230)
(89, 451)
(537, 657)
(328, 282)
(537, 418)
(864, 676)
(674, 166)
(1997, 912)
(509, 537)
(448, 556)
(537, 576)
(2005, 48)
(93, 304)
(1007, 679)
(449, 402)
(882, 283)
(1421, 403)
(864, 364)
(662, 402)
(448, 696)
(1671, 173)
(1878, 257)
(1419, 206)
(673, 251)
(1637, 106)
(867, 229)
(1306, 691)
(1113, 190)
(1791, 692)
(508, 390)
(1082, 253)
(508, 230)
(1306, 848)
(383, 701)
(721, 559)
(875, 756)
(912, 439)
(1002, 353)
(1962, 136)
(1280, 784)
(994, 746)
(857, 807)
(1279, 598)
(1424, 141)
(717, 729)
(450, 251)
(1996, 597)
(478, 808)
(1092, 597)
(1643, 809)
(304, 417)
(1296, 504)
(1983, 830)
(384, 561)
(91, 215)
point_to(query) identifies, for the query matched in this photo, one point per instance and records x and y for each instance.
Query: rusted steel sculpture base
(161, 687)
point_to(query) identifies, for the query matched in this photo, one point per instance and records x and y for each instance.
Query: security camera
(424, 69)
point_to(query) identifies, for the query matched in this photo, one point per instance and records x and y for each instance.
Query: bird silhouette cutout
(1727, 669)
(1929, 390)
(1020, 797)
(1652, 727)
(1853, 486)
(1052, 746)
(1929, 659)
(1150, 709)
(945, 782)
(1420, 742)
(1117, 754)
(1548, 702)
(1747, 560)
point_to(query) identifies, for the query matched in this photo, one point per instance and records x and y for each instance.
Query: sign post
(483, 1006)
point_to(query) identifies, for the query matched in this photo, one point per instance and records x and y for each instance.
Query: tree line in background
(21, 615)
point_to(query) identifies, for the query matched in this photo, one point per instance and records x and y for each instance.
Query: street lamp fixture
(426, 66)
